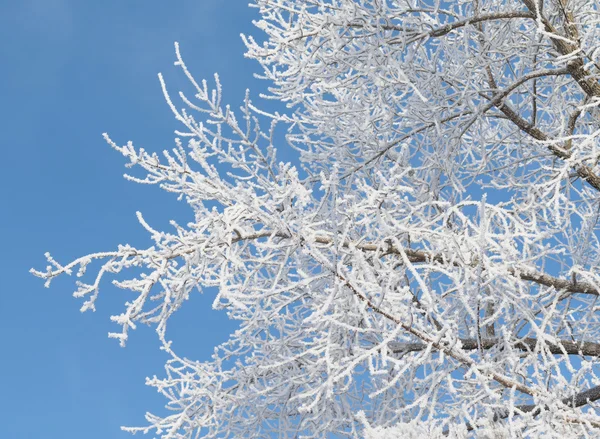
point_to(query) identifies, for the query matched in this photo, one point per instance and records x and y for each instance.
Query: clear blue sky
(70, 71)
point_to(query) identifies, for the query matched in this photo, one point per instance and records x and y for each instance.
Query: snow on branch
(429, 266)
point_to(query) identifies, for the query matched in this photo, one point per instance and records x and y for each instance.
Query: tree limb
(529, 344)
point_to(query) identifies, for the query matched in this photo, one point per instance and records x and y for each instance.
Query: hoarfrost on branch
(429, 268)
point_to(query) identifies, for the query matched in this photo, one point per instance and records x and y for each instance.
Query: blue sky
(72, 70)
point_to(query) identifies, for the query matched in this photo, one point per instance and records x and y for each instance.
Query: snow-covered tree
(431, 265)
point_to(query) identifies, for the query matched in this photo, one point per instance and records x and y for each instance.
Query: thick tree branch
(578, 400)
(569, 46)
(445, 30)
(415, 256)
(529, 344)
(564, 153)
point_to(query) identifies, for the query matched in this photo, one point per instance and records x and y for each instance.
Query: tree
(431, 267)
